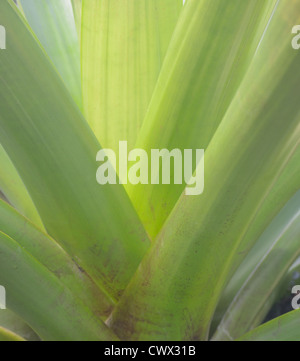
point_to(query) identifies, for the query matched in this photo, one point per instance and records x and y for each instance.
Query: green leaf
(15, 324)
(174, 293)
(284, 328)
(54, 151)
(14, 190)
(286, 186)
(281, 239)
(211, 49)
(123, 46)
(292, 277)
(77, 10)
(2, 196)
(43, 301)
(246, 256)
(53, 23)
(6, 335)
(55, 259)
(19, 6)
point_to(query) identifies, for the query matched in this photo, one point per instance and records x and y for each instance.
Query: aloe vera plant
(136, 261)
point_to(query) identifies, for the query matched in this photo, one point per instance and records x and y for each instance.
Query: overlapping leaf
(11, 322)
(123, 46)
(228, 83)
(6, 335)
(285, 188)
(45, 303)
(55, 259)
(53, 23)
(282, 240)
(284, 328)
(175, 291)
(54, 151)
(212, 47)
(14, 190)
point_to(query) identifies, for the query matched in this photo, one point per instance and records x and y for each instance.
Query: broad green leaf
(54, 151)
(43, 301)
(55, 259)
(77, 10)
(53, 23)
(2, 196)
(123, 46)
(6, 335)
(19, 6)
(284, 328)
(174, 293)
(15, 324)
(211, 49)
(14, 190)
(282, 241)
(245, 256)
(286, 186)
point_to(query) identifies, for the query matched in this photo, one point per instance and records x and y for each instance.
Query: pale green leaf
(123, 46)
(55, 259)
(283, 247)
(284, 328)
(176, 289)
(285, 187)
(14, 190)
(77, 10)
(43, 301)
(211, 49)
(53, 23)
(246, 256)
(54, 151)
